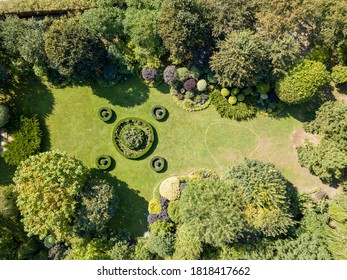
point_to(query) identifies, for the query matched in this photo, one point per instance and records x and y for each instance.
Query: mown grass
(186, 140)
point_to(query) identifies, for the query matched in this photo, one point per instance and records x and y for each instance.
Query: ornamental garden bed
(133, 137)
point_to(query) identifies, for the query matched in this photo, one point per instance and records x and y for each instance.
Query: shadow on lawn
(132, 93)
(32, 98)
(131, 213)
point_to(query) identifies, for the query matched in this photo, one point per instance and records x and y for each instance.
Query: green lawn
(186, 140)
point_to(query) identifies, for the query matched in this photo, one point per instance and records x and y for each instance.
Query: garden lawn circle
(105, 114)
(133, 137)
(103, 162)
(159, 112)
(234, 144)
(157, 163)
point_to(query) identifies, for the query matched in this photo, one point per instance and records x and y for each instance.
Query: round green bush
(225, 92)
(264, 96)
(159, 112)
(157, 164)
(232, 100)
(170, 188)
(132, 123)
(201, 85)
(103, 162)
(263, 88)
(247, 91)
(105, 113)
(183, 74)
(154, 206)
(195, 72)
(241, 97)
(235, 91)
(339, 74)
(4, 115)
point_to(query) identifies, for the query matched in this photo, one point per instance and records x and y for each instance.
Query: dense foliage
(47, 185)
(303, 82)
(27, 141)
(339, 74)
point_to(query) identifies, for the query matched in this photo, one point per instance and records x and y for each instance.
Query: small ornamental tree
(149, 74)
(170, 74)
(4, 115)
(303, 82)
(48, 185)
(97, 203)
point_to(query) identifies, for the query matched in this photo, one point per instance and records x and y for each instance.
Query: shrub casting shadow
(32, 98)
(132, 93)
(131, 212)
(113, 118)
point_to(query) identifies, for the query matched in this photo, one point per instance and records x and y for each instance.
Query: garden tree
(47, 185)
(104, 22)
(94, 249)
(183, 28)
(122, 250)
(227, 16)
(326, 160)
(161, 239)
(25, 39)
(97, 203)
(339, 74)
(4, 115)
(73, 50)
(212, 210)
(331, 123)
(264, 195)
(241, 60)
(188, 246)
(337, 229)
(303, 82)
(141, 24)
(27, 141)
(141, 251)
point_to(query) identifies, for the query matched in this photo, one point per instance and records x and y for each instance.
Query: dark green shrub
(263, 87)
(4, 115)
(103, 162)
(135, 123)
(105, 114)
(339, 74)
(195, 72)
(159, 112)
(27, 141)
(240, 111)
(235, 91)
(241, 97)
(157, 164)
(247, 91)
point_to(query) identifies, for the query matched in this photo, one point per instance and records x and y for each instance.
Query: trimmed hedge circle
(157, 163)
(131, 124)
(159, 112)
(103, 162)
(105, 113)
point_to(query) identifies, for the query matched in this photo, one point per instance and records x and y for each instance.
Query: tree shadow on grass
(131, 213)
(32, 98)
(132, 93)
(6, 172)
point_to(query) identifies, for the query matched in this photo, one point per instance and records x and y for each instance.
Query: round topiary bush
(201, 85)
(190, 85)
(247, 91)
(103, 162)
(4, 115)
(154, 206)
(263, 87)
(159, 112)
(105, 114)
(225, 92)
(170, 188)
(149, 74)
(173, 211)
(133, 137)
(241, 97)
(170, 74)
(232, 100)
(157, 164)
(235, 91)
(183, 74)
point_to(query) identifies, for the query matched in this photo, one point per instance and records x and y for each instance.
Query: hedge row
(17, 6)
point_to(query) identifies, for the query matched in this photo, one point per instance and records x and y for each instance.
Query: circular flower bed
(103, 162)
(133, 137)
(159, 112)
(105, 114)
(157, 164)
